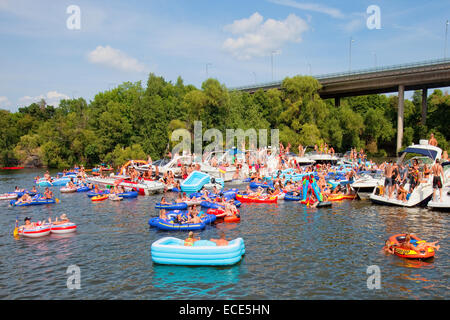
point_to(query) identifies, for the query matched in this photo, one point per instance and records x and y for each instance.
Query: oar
(16, 229)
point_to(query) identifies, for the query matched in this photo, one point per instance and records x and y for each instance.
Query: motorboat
(424, 154)
(366, 182)
(444, 205)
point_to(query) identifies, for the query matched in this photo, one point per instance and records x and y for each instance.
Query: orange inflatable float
(233, 218)
(100, 198)
(397, 240)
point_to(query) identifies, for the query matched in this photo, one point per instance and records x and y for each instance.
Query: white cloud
(116, 59)
(256, 38)
(333, 12)
(52, 98)
(4, 102)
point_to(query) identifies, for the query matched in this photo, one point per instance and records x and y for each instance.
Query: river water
(292, 252)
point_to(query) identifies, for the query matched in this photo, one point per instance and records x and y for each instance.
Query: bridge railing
(426, 63)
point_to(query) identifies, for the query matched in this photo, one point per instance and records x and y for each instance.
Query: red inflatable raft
(243, 198)
(219, 213)
(397, 240)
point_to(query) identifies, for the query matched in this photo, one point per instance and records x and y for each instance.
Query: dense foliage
(131, 121)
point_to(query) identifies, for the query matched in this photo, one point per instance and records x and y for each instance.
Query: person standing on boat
(437, 172)
(432, 141)
(388, 178)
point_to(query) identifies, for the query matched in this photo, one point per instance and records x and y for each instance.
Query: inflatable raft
(36, 232)
(172, 206)
(244, 198)
(195, 181)
(171, 250)
(398, 239)
(63, 228)
(8, 196)
(92, 193)
(34, 202)
(100, 197)
(170, 225)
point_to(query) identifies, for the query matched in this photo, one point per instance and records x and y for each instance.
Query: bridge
(396, 78)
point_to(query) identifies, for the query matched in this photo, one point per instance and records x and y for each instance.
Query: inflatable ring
(36, 232)
(63, 228)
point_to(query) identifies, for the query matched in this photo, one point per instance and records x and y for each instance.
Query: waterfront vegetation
(133, 121)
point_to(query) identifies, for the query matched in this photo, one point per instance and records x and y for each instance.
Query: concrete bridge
(397, 78)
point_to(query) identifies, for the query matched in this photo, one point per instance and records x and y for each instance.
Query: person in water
(163, 201)
(388, 247)
(189, 241)
(162, 214)
(222, 241)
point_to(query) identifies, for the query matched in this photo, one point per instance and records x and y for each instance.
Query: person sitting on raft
(189, 241)
(34, 190)
(48, 194)
(420, 246)
(220, 242)
(63, 219)
(28, 224)
(26, 198)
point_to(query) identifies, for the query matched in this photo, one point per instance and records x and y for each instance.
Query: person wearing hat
(63, 219)
(28, 224)
(189, 241)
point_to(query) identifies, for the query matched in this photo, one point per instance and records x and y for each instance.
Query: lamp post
(446, 31)
(350, 54)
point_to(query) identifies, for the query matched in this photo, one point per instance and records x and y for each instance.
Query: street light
(350, 54)
(208, 64)
(446, 31)
(271, 55)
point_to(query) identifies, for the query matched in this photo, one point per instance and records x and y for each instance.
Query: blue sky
(124, 41)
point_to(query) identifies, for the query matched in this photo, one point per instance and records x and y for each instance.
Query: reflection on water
(292, 252)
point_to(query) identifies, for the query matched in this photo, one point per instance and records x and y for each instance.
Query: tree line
(132, 121)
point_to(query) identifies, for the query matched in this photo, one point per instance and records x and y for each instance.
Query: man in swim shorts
(388, 179)
(437, 172)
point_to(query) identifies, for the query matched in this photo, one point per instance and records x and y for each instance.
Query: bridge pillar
(400, 116)
(337, 101)
(424, 106)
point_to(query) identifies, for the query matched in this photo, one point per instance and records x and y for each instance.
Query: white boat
(322, 158)
(143, 186)
(443, 205)
(365, 184)
(421, 193)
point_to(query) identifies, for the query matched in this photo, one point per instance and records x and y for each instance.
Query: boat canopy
(425, 152)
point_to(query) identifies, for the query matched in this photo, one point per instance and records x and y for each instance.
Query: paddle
(16, 229)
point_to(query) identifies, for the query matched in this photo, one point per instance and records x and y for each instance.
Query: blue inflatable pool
(195, 181)
(170, 225)
(256, 185)
(170, 250)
